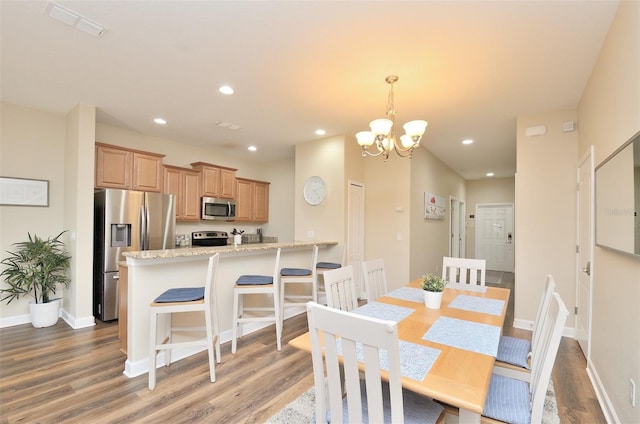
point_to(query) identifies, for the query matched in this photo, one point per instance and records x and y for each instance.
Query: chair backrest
(355, 338)
(340, 288)
(543, 306)
(375, 280)
(314, 262)
(211, 279)
(464, 274)
(276, 274)
(545, 355)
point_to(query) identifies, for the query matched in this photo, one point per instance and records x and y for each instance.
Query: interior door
(355, 231)
(584, 273)
(454, 228)
(495, 236)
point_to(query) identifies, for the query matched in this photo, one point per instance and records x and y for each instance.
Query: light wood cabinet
(252, 200)
(128, 169)
(216, 181)
(185, 184)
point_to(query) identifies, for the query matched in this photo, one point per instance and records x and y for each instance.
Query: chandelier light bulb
(415, 128)
(406, 141)
(381, 126)
(365, 138)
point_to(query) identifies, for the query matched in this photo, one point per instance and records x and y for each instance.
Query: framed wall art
(23, 192)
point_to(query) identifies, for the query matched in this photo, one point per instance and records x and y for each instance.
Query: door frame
(457, 227)
(587, 159)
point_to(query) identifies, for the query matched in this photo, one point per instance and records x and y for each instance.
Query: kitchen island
(147, 274)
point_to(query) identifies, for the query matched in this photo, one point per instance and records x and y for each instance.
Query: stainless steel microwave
(218, 209)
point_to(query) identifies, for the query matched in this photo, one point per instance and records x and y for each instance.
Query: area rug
(493, 277)
(300, 411)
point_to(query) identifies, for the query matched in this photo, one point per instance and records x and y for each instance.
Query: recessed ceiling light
(489, 174)
(160, 121)
(225, 89)
(320, 132)
(467, 141)
(252, 148)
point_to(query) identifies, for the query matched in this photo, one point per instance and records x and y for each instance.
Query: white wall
(489, 190)
(545, 211)
(32, 146)
(609, 114)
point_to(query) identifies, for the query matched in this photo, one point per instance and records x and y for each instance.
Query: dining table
(446, 354)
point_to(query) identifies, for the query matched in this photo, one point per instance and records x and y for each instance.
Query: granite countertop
(186, 252)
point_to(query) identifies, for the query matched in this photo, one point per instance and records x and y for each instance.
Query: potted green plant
(433, 287)
(37, 268)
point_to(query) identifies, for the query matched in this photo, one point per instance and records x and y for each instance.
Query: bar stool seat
(186, 299)
(252, 285)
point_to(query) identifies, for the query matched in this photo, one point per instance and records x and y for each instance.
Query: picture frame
(24, 192)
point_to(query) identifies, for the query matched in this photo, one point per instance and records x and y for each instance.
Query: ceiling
(469, 68)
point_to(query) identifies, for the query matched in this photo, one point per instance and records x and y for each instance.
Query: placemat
(477, 304)
(415, 360)
(467, 335)
(384, 311)
(407, 293)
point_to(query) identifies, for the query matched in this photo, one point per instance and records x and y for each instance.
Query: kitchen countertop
(186, 252)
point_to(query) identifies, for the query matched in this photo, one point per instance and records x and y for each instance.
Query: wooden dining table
(453, 347)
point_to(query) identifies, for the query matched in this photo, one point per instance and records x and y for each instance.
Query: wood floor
(60, 375)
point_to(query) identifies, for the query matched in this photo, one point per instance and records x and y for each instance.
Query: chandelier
(383, 134)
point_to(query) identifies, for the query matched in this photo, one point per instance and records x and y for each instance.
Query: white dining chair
(296, 279)
(375, 279)
(514, 354)
(343, 344)
(324, 266)
(179, 300)
(247, 285)
(340, 288)
(516, 401)
(464, 273)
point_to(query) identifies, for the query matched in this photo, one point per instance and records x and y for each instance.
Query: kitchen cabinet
(216, 181)
(185, 184)
(252, 200)
(128, 169)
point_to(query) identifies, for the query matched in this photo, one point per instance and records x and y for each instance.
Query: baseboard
(134, 369)
(77, 323)
(603, 399)
(15, 320)
(528, 325)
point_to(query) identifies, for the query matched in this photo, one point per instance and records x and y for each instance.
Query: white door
(495, 236)
(584, 243)
(454, 228)
(355, 231)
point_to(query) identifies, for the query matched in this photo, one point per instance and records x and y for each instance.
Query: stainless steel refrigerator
(126, 221)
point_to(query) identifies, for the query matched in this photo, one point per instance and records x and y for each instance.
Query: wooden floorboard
(61, 375)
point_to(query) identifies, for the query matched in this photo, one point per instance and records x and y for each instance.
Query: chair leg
(168, 322)
(278, 318)
(152, 350)
(210, 341)
(216, 335)
(234, 336)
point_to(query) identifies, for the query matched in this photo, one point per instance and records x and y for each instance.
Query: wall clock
(314, 190)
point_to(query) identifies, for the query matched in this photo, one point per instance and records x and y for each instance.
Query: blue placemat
(384, 311)
(467, 335)
(407, 293)
(477, 304)
(415, 360)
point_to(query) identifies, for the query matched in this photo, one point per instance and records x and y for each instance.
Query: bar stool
(188, 299)
(322, 267)
(256, 284)
(298, 276)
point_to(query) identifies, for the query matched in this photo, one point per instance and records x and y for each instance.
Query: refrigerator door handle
(143, 231)
(147, 230)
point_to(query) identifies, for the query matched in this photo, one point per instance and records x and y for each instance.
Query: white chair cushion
(514, 351)
(508, 400)
(417, 409)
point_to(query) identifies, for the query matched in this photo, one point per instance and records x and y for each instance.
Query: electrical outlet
(632, 392)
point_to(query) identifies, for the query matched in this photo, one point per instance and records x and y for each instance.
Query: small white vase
(237, 239)
(44, 314)
(432, 300)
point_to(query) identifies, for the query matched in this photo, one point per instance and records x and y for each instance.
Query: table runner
(477, 304)
(467, 335)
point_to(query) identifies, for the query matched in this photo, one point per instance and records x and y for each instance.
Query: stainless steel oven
(218, 209)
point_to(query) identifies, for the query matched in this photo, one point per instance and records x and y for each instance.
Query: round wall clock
(314, 190)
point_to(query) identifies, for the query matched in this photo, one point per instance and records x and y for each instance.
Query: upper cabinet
(216, 181)
(185, 184)
(128, 169)
(252, 202)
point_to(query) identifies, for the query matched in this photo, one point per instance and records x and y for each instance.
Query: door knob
(587, 269)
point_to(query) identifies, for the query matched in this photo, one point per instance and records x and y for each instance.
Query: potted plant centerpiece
(433, 287)
(38, 268)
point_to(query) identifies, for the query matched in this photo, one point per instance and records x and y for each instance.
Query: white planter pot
(432, 300)
(44, 314)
